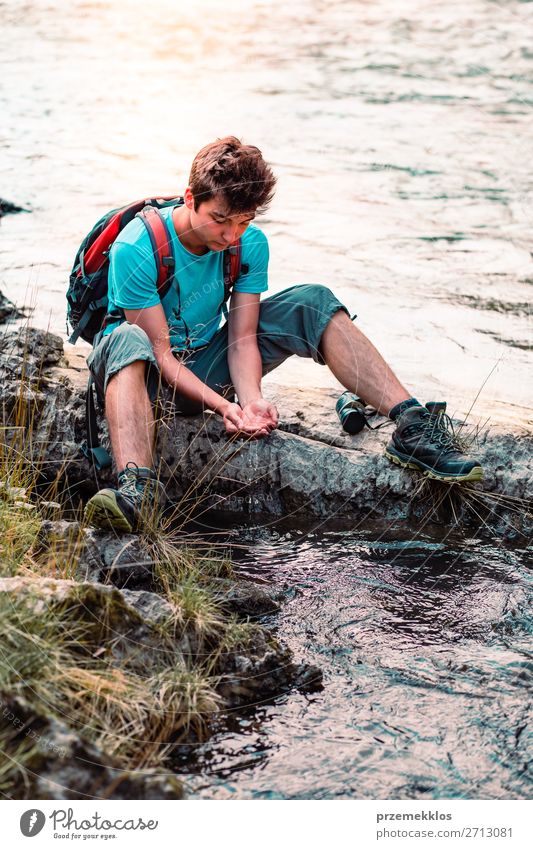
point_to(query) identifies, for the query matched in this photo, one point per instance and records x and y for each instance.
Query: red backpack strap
(232, 267)
(162, 247)
(97, 254)
(235, 253)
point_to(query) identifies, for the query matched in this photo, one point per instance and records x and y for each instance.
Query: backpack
(88, 283)
(87, 298)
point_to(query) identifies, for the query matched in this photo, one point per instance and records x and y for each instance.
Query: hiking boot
(139, 498)
(425, 440)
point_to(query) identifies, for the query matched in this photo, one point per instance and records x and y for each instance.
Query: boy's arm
(154, 323)
(244, 359)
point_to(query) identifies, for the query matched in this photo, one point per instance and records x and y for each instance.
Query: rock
(111, 625)
(24, 386)
(8, 309)
(120, 560)
(102, 557)
(313, 471)
(57, 759)
(153, 609)
(252, 678)
(308, 678)
(247, 599)
(7, 207)
(36, 350)
(60, 764)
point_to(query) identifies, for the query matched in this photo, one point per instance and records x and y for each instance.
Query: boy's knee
(127, 347)
(321, 291)
(130, 334)
(313, 294)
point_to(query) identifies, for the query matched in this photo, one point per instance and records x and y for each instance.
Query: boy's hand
(261, 412)
(258, 418)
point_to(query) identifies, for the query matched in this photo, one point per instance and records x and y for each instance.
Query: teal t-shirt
(132, 281)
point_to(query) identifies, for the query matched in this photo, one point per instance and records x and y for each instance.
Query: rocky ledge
(308, 468)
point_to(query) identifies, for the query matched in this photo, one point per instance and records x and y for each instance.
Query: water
(400, 133)
(426, 651)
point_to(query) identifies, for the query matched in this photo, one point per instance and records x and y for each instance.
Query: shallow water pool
(425, 649)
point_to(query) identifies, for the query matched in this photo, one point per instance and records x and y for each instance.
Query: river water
(401, 136)
(425, 644)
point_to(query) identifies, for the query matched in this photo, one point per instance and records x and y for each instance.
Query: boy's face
(213, 225)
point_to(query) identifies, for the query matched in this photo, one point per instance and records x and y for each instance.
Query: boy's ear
(188, 197)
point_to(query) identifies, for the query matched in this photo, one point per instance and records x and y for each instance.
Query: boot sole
(102, 511)
(475, 474)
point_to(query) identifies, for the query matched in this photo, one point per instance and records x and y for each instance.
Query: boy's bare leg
(131, 429)
(359, 366)
(130, 417)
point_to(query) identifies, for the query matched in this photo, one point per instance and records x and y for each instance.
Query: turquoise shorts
(291, 322)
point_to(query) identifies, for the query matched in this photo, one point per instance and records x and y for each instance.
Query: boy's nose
(229, 234)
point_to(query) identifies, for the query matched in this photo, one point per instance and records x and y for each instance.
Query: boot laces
(439, 429)
(132, 483)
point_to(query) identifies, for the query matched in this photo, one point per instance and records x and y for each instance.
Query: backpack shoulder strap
(233, 267)
(162, 246)
(235, 255)
(92, 449)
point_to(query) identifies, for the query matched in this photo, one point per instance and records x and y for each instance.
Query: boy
(178, 340)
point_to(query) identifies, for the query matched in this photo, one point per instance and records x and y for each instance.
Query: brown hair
(236, 171)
